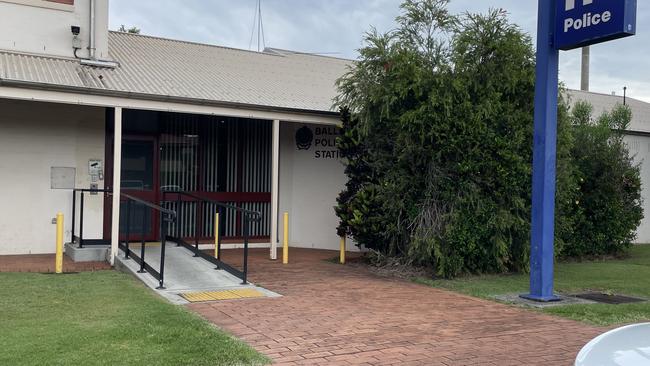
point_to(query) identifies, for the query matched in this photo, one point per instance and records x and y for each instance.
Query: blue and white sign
(576, 23)
(582, 23)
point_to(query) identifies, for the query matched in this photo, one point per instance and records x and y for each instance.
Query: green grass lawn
(629, 276)
(105, 318)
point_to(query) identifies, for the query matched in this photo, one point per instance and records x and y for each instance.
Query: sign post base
(551, 298)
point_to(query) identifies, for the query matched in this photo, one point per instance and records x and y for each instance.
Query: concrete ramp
(184, 273)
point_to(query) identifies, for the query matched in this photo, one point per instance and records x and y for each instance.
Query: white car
(626, 346)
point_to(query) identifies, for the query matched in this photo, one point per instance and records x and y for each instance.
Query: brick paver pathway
(44, 263)
(341, 315)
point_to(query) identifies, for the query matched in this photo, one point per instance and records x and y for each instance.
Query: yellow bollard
(285, 241)
(216, 235)
(342, 259)
(58, 264)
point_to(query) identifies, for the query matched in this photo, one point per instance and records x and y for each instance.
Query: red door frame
(235, 197)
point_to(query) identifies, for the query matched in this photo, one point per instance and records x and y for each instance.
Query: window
(65, 5)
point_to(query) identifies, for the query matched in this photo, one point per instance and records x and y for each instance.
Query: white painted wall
(309, 187)
(43, 27)
(33, 138)
(640, 148)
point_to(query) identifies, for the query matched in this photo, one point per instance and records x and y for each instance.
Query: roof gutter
(159, 98)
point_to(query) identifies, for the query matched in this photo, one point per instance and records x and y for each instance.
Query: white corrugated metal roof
(158, 67)
(604, 102)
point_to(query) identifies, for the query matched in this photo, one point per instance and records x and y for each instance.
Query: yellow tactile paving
(248, 293)
(222, 295)
(244, 293)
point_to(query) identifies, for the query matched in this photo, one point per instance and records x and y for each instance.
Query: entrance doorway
(218, 158)
(139, 179)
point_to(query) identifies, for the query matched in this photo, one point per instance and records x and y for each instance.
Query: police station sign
(320, 141)
(582, 23)
(561, 25)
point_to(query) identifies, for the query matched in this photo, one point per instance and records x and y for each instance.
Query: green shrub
(437, 138)
(438, 141)
(608, 206)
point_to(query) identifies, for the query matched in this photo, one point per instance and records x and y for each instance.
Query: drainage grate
(244, 293)
(608, 299)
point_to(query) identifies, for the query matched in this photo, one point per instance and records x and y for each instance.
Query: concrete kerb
(516, 299)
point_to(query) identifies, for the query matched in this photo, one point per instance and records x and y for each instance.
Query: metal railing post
(128, 227)
(163, 241)
(222, 218)
(178, 214)
(245, 271)
(142, 242)
(74, 210)
(196, 228)
(217, 234)
(81, 221)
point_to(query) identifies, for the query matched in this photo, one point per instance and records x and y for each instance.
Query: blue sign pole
(544, 156)
(561, 25)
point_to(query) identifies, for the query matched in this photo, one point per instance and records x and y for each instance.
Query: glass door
(138, 179)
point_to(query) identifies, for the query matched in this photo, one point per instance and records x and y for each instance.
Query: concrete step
(95, 253)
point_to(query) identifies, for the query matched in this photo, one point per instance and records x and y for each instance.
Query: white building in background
(84, 107)
(637, 137)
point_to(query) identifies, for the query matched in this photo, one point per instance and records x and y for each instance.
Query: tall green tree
(437, 137)
(443, 107)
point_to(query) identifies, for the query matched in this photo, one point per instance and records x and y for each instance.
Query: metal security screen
(221, 159)
(226, 159)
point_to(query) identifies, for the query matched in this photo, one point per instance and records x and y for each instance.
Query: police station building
(112, 114)
(90, 117)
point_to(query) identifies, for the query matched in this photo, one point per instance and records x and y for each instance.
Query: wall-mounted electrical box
(62, 177)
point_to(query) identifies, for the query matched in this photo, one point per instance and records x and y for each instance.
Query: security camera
(75, 29)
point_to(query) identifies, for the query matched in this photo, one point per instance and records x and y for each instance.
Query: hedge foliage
(437, 139)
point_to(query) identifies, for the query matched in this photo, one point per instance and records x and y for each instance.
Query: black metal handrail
(166, 216)
(247, 217)
(80, 239)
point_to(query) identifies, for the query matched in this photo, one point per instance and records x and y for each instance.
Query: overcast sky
(336, 27)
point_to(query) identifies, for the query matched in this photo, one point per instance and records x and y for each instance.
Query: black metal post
(128, 227)
(142, 242)
(222, 218)
(81, 221)
(196, 228)
(163, 241)
(74, 210)
(246, 223)
(178, 214)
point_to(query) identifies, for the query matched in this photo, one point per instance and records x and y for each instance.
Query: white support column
(117, 169)
(275, 188)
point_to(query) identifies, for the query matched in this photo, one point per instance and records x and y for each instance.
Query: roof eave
(158, 98)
